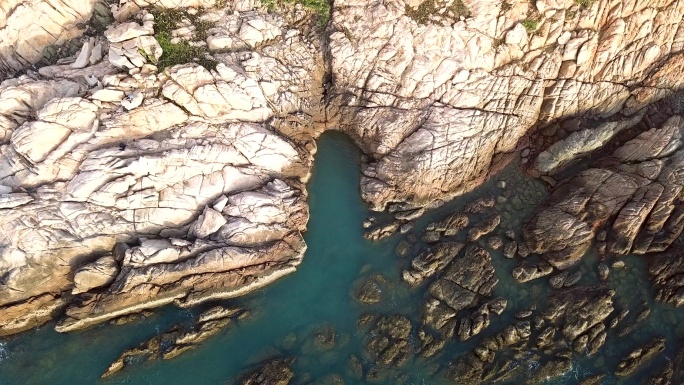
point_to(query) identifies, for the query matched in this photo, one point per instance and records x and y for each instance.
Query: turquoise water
(288, 314)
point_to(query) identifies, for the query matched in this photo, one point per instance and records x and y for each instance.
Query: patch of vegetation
(428, 8)
(530, 24)
(165, 21)
(181, 53)
(320, 7)
(585, 3)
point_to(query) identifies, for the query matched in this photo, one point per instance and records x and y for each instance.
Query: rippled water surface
(289, 313)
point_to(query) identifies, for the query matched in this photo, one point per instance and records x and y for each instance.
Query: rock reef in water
(576, 319)
(125, 186)
(179, 338)
(274, 372)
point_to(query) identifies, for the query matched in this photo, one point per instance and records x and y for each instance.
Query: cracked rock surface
(439, 102)
(125, 188)
(125, 185)
(635, 197)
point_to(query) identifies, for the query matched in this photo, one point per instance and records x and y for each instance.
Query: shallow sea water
(288, 314)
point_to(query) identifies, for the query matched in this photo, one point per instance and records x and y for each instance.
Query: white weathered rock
(133, 100)
(108, 95)
(517, 35)
(96, 174)
(127, 31)
(83, 58)
(208, 223)
(27, 28)
(438, 103)
(97, 274)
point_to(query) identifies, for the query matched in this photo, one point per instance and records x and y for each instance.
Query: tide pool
(291, 317)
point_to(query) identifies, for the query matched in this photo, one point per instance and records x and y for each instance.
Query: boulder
(96, 274)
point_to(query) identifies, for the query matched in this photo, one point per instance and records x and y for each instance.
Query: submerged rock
(274, 372)
(480, 205)
(404, 248)
(388, 344)
(368, 291)
(665, 272)
(131, 318)
(671, 372)
(639, 357)
(551, 369)
(603, 271)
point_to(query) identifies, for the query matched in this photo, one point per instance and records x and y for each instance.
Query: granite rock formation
(635, 197)
(179, 339)
(438, 94)
(125, 187)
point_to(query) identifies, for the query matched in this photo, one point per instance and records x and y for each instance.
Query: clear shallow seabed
(287, 315)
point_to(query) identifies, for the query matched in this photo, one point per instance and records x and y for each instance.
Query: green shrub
(427, 8)
(165, 21)
(530, 24)
(181, 53)
(320, 7)
(585, 3)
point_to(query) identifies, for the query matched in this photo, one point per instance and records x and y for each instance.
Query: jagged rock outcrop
(575, 319)
(438, 99)
(637, 200)
(670, 372)
(665, 271)
(179, 339)
(274, 372)
(639, 357)
(200, 171)
(459, 304)
(22, 39)
(431, 262)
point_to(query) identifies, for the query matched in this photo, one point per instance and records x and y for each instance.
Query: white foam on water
(4, 354)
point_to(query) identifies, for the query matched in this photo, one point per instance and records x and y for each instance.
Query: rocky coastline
(158, 152)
